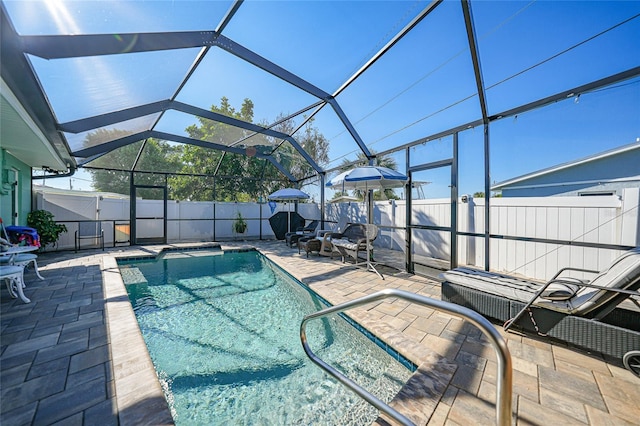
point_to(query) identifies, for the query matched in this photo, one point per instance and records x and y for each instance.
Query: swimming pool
(222, 329)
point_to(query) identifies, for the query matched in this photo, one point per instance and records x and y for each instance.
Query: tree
(310, 139)
(243, 177)
(156, 155)
(207, 173)
(206, 161)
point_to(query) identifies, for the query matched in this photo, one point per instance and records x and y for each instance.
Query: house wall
(612, 173)
(9, 165)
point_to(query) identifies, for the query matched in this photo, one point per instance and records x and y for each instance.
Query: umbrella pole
(370, 266)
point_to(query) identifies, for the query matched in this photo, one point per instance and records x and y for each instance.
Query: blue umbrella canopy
(288, 194)
(368, 177)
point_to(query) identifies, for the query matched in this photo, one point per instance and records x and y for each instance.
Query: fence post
(630, 222)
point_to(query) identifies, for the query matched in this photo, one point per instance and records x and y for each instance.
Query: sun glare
(62, 17)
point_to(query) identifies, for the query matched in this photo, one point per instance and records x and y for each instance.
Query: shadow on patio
(57, 354)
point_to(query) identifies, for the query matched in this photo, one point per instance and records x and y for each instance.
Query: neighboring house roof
(554, 169)
(75, 192)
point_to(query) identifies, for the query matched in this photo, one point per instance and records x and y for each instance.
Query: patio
(73, 355)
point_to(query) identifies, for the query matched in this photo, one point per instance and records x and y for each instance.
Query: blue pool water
(223, 333)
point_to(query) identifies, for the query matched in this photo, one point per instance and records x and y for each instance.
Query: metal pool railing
(504, 382)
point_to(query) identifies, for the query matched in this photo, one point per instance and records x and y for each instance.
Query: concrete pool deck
(75, 355)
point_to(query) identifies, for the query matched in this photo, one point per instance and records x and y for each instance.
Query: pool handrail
(504, 380)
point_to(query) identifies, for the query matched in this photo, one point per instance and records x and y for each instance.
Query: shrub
(48, 230)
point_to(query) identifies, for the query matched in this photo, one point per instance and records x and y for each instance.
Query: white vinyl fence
(603, 219)
(610, 220)
(186, 220)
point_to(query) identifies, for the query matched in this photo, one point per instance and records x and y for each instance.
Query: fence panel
(604, 219)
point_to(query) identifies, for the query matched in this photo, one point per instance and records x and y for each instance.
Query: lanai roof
(374, 76)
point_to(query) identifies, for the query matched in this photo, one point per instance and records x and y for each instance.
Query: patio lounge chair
(339, 227)
(580, 312)
(292, 237)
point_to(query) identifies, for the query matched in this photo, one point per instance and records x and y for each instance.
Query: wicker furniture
(292, 238)
(356, 238)
(309, 245)
(579, 312)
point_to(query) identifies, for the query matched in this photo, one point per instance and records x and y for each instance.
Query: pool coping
(138, 392)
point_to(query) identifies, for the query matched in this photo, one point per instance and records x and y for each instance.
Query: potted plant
(239, 225)
(48, 230)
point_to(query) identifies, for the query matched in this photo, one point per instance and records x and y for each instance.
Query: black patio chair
(292, 237)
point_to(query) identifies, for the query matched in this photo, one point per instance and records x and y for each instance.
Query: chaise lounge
(292, 238)
(580, 312)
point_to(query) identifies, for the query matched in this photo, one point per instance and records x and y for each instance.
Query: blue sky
(424, 85)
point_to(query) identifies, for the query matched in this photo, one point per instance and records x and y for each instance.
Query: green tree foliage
(480, 194)
(229, 168)
(379, 160)
(242, 177)
(156, 155)
(310, 139)
(207, 173)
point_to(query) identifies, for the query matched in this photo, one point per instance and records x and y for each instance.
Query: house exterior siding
(12, 167)
(608, 175)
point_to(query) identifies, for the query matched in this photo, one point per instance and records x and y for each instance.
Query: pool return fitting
(504, 380)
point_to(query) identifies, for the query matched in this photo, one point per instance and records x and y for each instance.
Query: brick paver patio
(74, 355)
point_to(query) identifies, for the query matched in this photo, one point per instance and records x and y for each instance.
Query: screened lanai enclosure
(227, 101)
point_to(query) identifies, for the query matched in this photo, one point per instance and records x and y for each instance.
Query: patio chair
(354, 240)
(23, 260)
(13, 275)
(584, 313)
(339, 227)
(292, 237)
(323, 236)
(90, 230)
(20, 259)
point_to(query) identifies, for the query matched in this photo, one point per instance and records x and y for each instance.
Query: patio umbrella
(366, 178)
(288, 194)
(344, 199)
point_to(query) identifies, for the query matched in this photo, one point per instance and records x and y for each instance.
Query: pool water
(223, 331)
